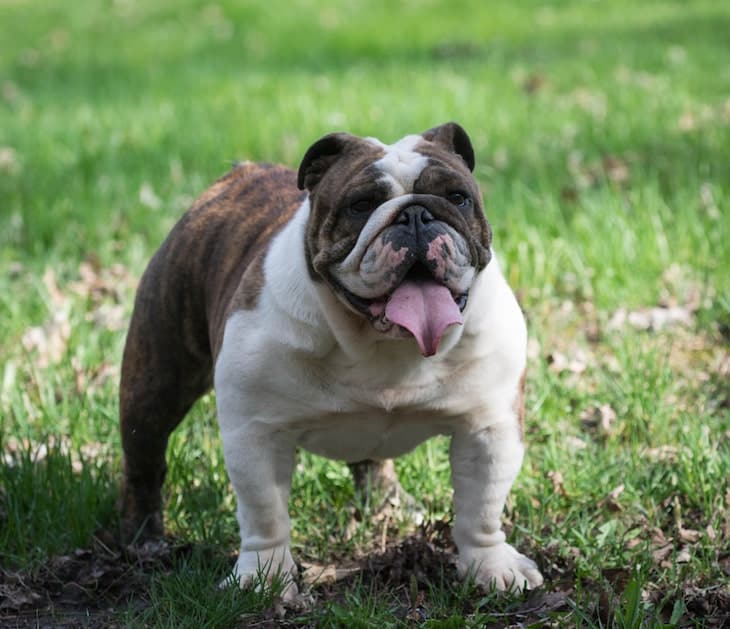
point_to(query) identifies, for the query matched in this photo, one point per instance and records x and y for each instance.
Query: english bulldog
(354, 308)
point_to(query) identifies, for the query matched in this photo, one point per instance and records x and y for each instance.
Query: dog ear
(454, 139)
(320, 156)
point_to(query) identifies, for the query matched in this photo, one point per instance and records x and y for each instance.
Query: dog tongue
(425, 309)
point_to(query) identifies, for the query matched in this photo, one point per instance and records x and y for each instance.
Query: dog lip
(361, 303)
(417, 272)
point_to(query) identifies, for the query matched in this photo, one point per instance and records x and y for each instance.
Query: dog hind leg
(160, 382)
(377, 486)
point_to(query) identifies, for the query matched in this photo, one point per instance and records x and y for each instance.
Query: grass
(602, 134)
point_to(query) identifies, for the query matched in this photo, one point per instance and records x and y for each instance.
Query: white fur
(301, 370)
(401, 165)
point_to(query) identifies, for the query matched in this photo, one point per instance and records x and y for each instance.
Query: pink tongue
(425, 309)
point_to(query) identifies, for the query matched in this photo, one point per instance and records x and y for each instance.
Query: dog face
(398, 232)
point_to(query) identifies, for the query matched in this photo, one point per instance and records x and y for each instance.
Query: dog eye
(363, 206)
(458, 199)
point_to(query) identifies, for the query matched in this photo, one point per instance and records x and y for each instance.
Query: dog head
(398, 232)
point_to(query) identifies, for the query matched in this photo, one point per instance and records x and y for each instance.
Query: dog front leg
(260, 464)
(484, 465)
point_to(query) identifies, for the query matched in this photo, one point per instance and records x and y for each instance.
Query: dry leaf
(557, 480)
(559, 363)
(651, 319)
(533, 349)
(689, 535)
(658, 538)
(616, 169)
(683, 556)
(611, 501)
(665, 453)
(49, 340)
(318, 573)
(16, 597)
(98, 284)
(660, 554)
(109, 317)
(601, 417)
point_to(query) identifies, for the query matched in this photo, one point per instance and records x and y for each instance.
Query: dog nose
(414, 215)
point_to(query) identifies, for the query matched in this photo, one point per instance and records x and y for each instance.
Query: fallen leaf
(616, 169)
(689, 535)
(556, 478)
(664, 453)
(658, 538)
(660, 554)
(612, 499)
(48, 341)
(533, 349)
(109, 317)
(16, 597)
(559, 363)
(323, 574)
(683, 556)
(602, 418)
(100, 284)
(651, 319)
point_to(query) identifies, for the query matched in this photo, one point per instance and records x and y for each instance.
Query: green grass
(602, 134)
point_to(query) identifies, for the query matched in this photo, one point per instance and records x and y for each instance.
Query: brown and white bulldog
(354, 309)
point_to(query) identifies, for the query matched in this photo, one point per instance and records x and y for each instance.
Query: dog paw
(264, 567)
(500, 567)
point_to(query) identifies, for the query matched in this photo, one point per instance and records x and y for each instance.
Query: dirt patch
(404, 576)
(85, 588)
(414, 577)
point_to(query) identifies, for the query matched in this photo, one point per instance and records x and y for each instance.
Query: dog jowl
(353, 308)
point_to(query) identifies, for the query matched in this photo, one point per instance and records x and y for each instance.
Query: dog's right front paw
(264, 567)
(501, 567)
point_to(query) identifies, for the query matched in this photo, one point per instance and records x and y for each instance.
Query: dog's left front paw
(266, 566)
(500, 567)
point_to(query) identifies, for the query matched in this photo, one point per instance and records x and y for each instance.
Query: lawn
(602, 136)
